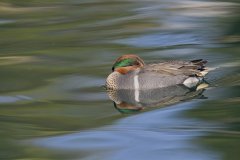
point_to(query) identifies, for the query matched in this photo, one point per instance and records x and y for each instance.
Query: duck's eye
(113, 68)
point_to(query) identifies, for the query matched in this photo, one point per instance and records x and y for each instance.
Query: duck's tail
(200, 66)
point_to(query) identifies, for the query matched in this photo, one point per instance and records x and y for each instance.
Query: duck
(130, 72)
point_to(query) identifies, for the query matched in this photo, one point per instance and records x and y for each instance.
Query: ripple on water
(14, 99)
(155, 134)
(6, 21)
(10, 60)
(162, 40)
(72, 87)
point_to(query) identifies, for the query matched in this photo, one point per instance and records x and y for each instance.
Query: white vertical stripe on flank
(136, 88)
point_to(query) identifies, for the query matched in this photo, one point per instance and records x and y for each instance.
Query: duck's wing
(188, 68)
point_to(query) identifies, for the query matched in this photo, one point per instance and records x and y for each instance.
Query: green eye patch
(124, 63)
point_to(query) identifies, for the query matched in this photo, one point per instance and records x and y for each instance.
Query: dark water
(55, 56)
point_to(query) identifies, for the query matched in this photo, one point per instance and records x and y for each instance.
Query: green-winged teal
(130, 72)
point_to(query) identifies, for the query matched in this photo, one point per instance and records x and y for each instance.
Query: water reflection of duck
(130, 72)
(129, 101)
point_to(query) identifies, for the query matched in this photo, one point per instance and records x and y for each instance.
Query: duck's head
(127, 63)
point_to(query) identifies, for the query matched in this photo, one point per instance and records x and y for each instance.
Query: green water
(55, 56)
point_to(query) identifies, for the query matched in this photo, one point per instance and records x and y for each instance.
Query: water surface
(55, 56)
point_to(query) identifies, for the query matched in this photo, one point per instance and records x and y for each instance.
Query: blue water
(164, 133)
(56, 55)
